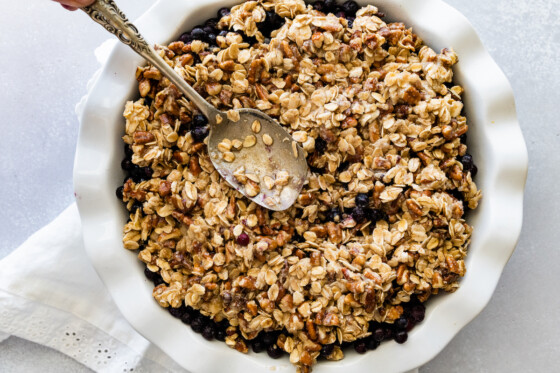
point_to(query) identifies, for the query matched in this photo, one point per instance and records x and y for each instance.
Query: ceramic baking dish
(495, 140)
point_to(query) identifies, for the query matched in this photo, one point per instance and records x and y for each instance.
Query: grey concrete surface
(47, 58)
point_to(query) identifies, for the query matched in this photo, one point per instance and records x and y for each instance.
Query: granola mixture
(380, 222)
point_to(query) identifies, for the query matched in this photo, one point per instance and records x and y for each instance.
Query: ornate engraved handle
(108, 15)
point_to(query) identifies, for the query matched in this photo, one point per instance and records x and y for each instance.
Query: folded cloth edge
(70, 335)
(51, 269)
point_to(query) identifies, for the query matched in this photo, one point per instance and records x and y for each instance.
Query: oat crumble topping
(381, 218)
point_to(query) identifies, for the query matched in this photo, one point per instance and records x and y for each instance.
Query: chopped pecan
(164, 188)
(335, 232)
(228, 66)
(143, 137)
(152, 73)
(255, 70)
(413, 207)
(412, 96)
(194, 166)
(261, 92)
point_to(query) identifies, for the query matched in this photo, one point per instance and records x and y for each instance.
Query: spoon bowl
(279, 169)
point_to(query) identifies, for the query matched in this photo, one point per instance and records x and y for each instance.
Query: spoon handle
(108, 15)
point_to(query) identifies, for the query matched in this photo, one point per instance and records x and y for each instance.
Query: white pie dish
(495, 140)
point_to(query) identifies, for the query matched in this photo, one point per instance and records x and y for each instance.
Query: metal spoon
(263, 164)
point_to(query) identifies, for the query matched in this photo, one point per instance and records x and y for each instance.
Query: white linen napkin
(51, 295)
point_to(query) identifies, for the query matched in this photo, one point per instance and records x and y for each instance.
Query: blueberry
(372, 343)
(362, 200)
(198, 34)
(128, 151)
(326, 350)
(320, 145)
(334, 215)
(209, 30)
(212, 22)
(316, 170)
(269, 338)
(474, 170)
(149, 274)
(196, 59)
(358, 214)
(329, 6)
(135, 206)
(211, 38)
(360, 346)
(251, 40)
(119, 192)
(350, 7)
(187, 318)
(350, 21)
(274, 351)
(378, 334)
(410, 323)
(196, 326)
(319, 5)
(177, 312)
(343, 166)
(458, 195)
(158, 281)
(376, 215)
(401, 336)
(223, 12)
(468, 165)
(272, 22)
(152, 276)
(274, 19)
(467, 162)
(186, 38)
(243, 239)
(208, 332)
(340, 14)
(199, 133)
(183, 128)
(220, 334)
(223, 33)
(389, 333)
(463, 138)
(147, 172)
(223, 325)
(418, 312)
(136, 174)
(199, 120)
(141, 173)
(401, 323)
(203, 319)
(258, 346)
